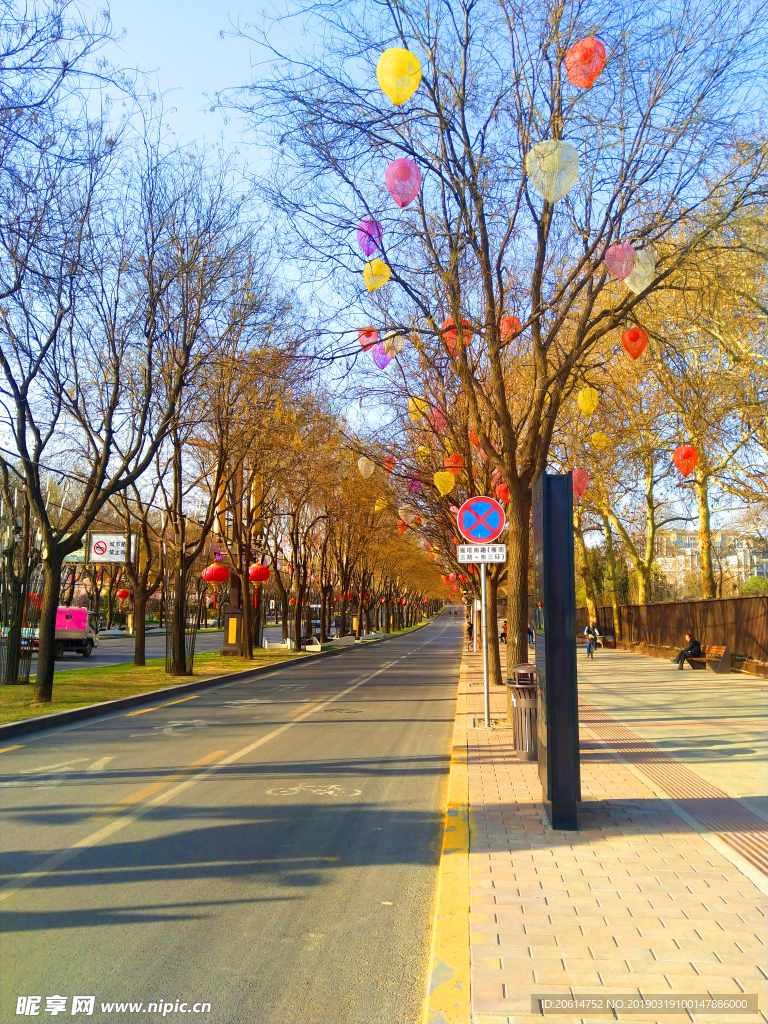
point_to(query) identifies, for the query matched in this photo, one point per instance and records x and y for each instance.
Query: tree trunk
(343, 615)
(323, 613)
(643, 584)
(586, 572)
(701, 487)
(178, 623)
(139, 625)
(494, 654)
(611, 563)
(46, 651)
(247, 623)
(518, 539)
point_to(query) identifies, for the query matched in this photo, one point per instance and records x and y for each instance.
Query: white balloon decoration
(642, 272)
(393, 343)
(552, 168)
(366, 467)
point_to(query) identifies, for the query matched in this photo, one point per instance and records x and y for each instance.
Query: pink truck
(76, 630)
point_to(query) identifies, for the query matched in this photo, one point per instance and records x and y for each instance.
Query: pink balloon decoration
(436, 420)
(403, 180)
(380, 357)
(369, 233)
(580, 482)
(620, 260)
(414, 484)
(455, 510)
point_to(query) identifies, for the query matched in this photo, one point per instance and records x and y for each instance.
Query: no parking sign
(481, 520)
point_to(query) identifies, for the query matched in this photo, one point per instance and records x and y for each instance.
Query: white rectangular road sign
(478, 553)
(107, 547)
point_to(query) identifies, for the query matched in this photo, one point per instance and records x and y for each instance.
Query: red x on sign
(481, 520)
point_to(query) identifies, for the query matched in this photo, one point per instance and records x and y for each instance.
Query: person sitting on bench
(693, 650)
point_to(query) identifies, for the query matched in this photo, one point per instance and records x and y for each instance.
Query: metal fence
(740, 623)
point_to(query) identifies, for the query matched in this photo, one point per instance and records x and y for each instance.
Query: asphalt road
(268, 847)
(119, 650)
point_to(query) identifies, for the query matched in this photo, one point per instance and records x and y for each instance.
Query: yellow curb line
(448, 999)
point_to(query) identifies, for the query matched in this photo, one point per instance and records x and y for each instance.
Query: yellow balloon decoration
(380, 504)
(399, 74)
(588, 399)
(375, 274)
(444, 482)
(600, 440)
(417, 409)
(422, 453)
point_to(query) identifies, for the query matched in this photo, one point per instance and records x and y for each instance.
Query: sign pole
(486, 691)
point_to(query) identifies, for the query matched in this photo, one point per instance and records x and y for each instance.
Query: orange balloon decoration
(389, 463)
(580, 479)
(473, 438)
(502, 492)
(402, 526)
(454, 463)
(584, 62)
(367, 336)
(634, 341)
(685, 458)
(509, 327)
(455, 338)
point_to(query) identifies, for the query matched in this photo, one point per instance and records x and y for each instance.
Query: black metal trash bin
(521, 710)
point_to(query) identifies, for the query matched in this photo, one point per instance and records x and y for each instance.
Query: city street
(269, 847)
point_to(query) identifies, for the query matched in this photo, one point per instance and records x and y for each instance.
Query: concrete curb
(29, 725)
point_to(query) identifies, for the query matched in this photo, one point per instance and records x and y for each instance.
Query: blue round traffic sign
(481, 520)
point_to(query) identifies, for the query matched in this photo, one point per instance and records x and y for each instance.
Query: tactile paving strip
(737, 826)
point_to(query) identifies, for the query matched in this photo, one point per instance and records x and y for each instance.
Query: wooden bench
(718, 659)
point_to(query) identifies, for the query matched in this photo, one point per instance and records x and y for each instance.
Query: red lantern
(389, 463)
(402, 526)
(454, 463)
(292, 601)
(580, 479)
(259, 573)
(685, 458)
(347, 597)
(634, 341)
(502, 492)
(453, 341)
(216, 573)
(509, 327)
(383, 600)
(36, 599)
(367, 337)
(584, 62)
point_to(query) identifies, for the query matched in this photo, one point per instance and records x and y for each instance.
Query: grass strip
(79, 687)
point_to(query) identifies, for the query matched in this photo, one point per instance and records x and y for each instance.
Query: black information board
(555, 642)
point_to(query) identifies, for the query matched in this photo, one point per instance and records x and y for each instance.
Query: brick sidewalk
(637, 901)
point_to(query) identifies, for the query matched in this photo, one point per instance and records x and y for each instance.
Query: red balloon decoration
(473, 438)
(502, 492)
(367, 336)
(403, 181)
(216, 573)
(584, 62)
(685, 458)
(580, 479)
(259, 573)
(634, 341)
(402, 526)
(453, 335)
(509, 327)
(389, 463)
(454, 463)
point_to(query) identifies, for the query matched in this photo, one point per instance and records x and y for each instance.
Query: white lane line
(63, 856)
(98, 765)
(50, 767)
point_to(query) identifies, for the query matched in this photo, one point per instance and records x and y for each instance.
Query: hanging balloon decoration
(417, 409)
(379, 505)
(365, 467)
(552, 168)
(454, 509)
(416, 521)
(369, 235)
(414, 484)
(588, 400)
(375, 274)
(422, 453)
(389, 463)
(685, 458)
(642, 272)
(380, 358)
(367, 336)
(455, 588)
(444, 482)
(398, 73)
(600, 440)
(436, 420)
(509, 328)
(473, 438)
(406, 514)
(393, 343)
(634, 341)
(401, 526)
(403, 181)
(456, 338)
(502, 492)
(580, 478)
(427, 546)
(620, 260)
(452, 576)
(584, 62)
(259, 573)
(454, 463)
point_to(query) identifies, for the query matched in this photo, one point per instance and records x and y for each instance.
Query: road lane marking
(157, 707)
(63, 856)
(50, 767)
(16, 746)
(98, 765)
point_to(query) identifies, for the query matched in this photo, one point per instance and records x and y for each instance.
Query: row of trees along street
(181, 337)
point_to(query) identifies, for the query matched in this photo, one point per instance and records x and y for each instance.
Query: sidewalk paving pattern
(643, 899)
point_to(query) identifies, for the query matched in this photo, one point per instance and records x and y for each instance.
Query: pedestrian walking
(692, 650)
(591, 633)
(503, 634)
